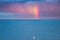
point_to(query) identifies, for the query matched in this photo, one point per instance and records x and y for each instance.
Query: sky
(31, 9)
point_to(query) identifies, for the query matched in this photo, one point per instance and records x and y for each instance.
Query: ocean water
(26, 29)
